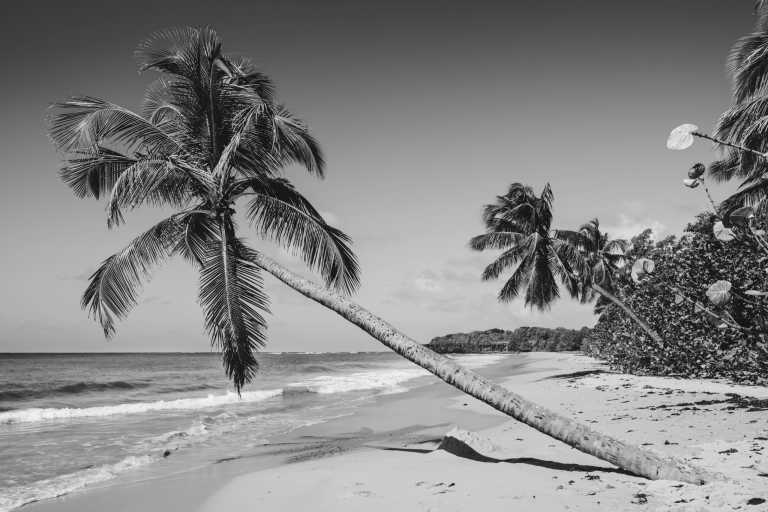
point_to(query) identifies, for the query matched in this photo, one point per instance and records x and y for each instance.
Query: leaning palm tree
(605, 258)
(583, 261)
(210, 134)
(210, 137)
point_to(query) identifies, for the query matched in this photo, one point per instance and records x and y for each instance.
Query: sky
(425, 110)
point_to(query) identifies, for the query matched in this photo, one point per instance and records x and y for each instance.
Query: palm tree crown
(520, 223)
(210, 133)
(745, 123)
(604, 256)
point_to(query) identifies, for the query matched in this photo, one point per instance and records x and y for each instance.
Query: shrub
(695, 343)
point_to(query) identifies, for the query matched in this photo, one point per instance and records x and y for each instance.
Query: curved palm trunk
(608, 295)
(630, 458)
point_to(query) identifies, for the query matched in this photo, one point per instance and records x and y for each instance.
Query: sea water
(72, 420)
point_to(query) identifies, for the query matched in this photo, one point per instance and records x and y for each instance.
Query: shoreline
(191, 484)
(384, 455)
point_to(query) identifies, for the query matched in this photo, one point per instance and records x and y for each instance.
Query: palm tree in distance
(605, 258)
(211, 133)
(520, 222)
(584, 261)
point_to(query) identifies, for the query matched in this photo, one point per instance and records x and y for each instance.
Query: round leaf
(641, 268)
(721, 232)
(691, 183)
(681, 137)
(719, 293)
(678, 298)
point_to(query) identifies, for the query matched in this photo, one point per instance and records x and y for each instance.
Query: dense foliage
(522, 339)
(699, 339)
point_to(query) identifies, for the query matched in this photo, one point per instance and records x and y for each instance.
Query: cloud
(156, 299)
(427, 284)
(451, 286)
(629, 226)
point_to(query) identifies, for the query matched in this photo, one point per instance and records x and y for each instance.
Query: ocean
(72, 420)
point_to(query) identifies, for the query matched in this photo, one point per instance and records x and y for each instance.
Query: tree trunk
(628, 457)
(647, 328)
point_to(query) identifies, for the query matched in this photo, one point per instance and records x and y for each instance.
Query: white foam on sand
(15, 497)
(390, 381)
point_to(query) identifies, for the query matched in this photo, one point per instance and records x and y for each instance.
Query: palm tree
(605, 258)
(742, 131)
(211, 133)
(521, 223)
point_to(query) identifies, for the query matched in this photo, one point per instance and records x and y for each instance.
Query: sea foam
(57, 486)
(43, 414)
(390, 381)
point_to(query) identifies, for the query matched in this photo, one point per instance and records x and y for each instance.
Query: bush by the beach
(695, 343)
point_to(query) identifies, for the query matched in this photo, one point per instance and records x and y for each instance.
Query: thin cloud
(629, 226)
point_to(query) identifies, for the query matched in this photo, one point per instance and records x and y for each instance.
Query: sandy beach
(387, 455)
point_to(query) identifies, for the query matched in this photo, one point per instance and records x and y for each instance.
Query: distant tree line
(522, 339)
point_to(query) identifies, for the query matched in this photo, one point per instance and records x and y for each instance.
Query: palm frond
(726, 168)
(750, 194)
(84, 122)
(520, 277)
(199, 234)
(280, 213)
(295, 144)
(92, 172)
(495, 240)
(182, 51)
(113, 289)
(157, 182)
(570, 259)
(510, 257)
(749, 64)
(542, 287)
(232, 296)
(575, 238)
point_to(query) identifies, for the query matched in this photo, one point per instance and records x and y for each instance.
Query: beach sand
(386, 456)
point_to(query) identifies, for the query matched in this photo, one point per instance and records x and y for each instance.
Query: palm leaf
(295, 144)
(199, 233)
(521, 276)
(232, 296)
(84, 122)
(94, 171)
(149, 181)
(542, 287)
(280, 213)
(510, 257)
(495, 240)
(113, 289)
